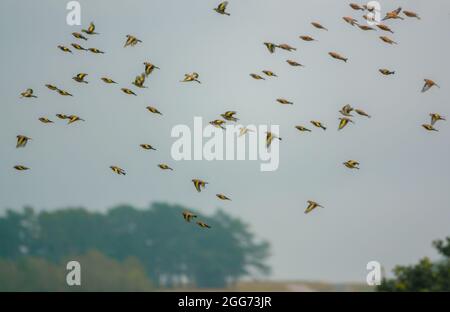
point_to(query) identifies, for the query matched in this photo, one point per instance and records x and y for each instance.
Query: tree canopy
(171, 251)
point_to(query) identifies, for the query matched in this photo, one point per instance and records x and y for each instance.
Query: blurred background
(128, 232)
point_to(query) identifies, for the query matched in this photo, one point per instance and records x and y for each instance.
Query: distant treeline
(126, 249)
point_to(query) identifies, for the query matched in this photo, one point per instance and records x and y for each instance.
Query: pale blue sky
(388, 211)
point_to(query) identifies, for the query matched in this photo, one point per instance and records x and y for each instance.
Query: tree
(172, 251)
(424, 276)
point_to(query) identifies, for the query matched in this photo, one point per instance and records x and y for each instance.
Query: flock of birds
(149, 68)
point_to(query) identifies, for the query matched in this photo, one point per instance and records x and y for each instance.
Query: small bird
(22, 140)
(128, 91)
(191, 77)
(199, 184)
(318, 124)
(96, 51)
(149, 67)
(217, 123)
(286, 47)
(411, 14)
(78, 47)
(222, 197)
(284, 101)
(393, 15)
(107, 80)
(386, 71)
(153, 110)
(356, 7)
(188, 216)
(307, 38)
(139, 81)
(62, 116)
(346, 110)
(362, 113)
(20, 168)
(203, 224)
(257, 77)
(80, 78)
(64, 49)
(74, 118)
(385, 28)
(270, 46)
(64, 93)
(428, 85)
(302, 129)
(229, 115)
(117, 170)
(344, 122)
(318, 26)
(244, 131)
(350, 20)
(164, 167)
(45, 120)
(51, 87)
(269, 73)
(147, 147)
(90, 30)
(293, 63)
(435, 118)
(365, 27)
(131, 41)
(79, 36)
(387, 40)
(269, 138)
(221, 8)
(28, 93)
(429, 127)
(351, 164)
(311, 206)
(337, 56)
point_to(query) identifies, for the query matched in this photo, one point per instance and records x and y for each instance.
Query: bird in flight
(22, 140)
(20, 168)
(257, 77)
(147, 147)
(284, 101)
(429, 127)
(80, 78)
(311, 206)
(393, 15)
(78, 47)
(107, 80)
(222, 197)
(244, 131)
(95, 51)
(346, 110)
(131, 41)
(90, 30)
(45, 120)
(411, 14)
(270, 46)
(428, 85)
(191, 77)
(153, 110)
(203, 224)
(387, 40)
(28, 93)
(385, 28)
(139, 81)
(149, 67)
(344, 122)
(269, 73)
(337, 56)
(435, 118)
(318, 124)
(351, 164)
(74, 118)
(302, 129)
(286, 47)
(199, 184)
(64, 49)
(218, 123)
(386, 71)
(221, 8)
(318, 26)
(79, 36)
(294, 63)
(128, 91)
(63, 92)
(188, 216)
(362, 113)
(350, 20)
(164, 167)
(269, 138)
(229, 115)
(118, 170)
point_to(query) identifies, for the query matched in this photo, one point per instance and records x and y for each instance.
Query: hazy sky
(388, 211)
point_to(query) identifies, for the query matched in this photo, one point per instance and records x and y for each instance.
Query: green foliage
(99, 273)
(172, 251)
(424, 276)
